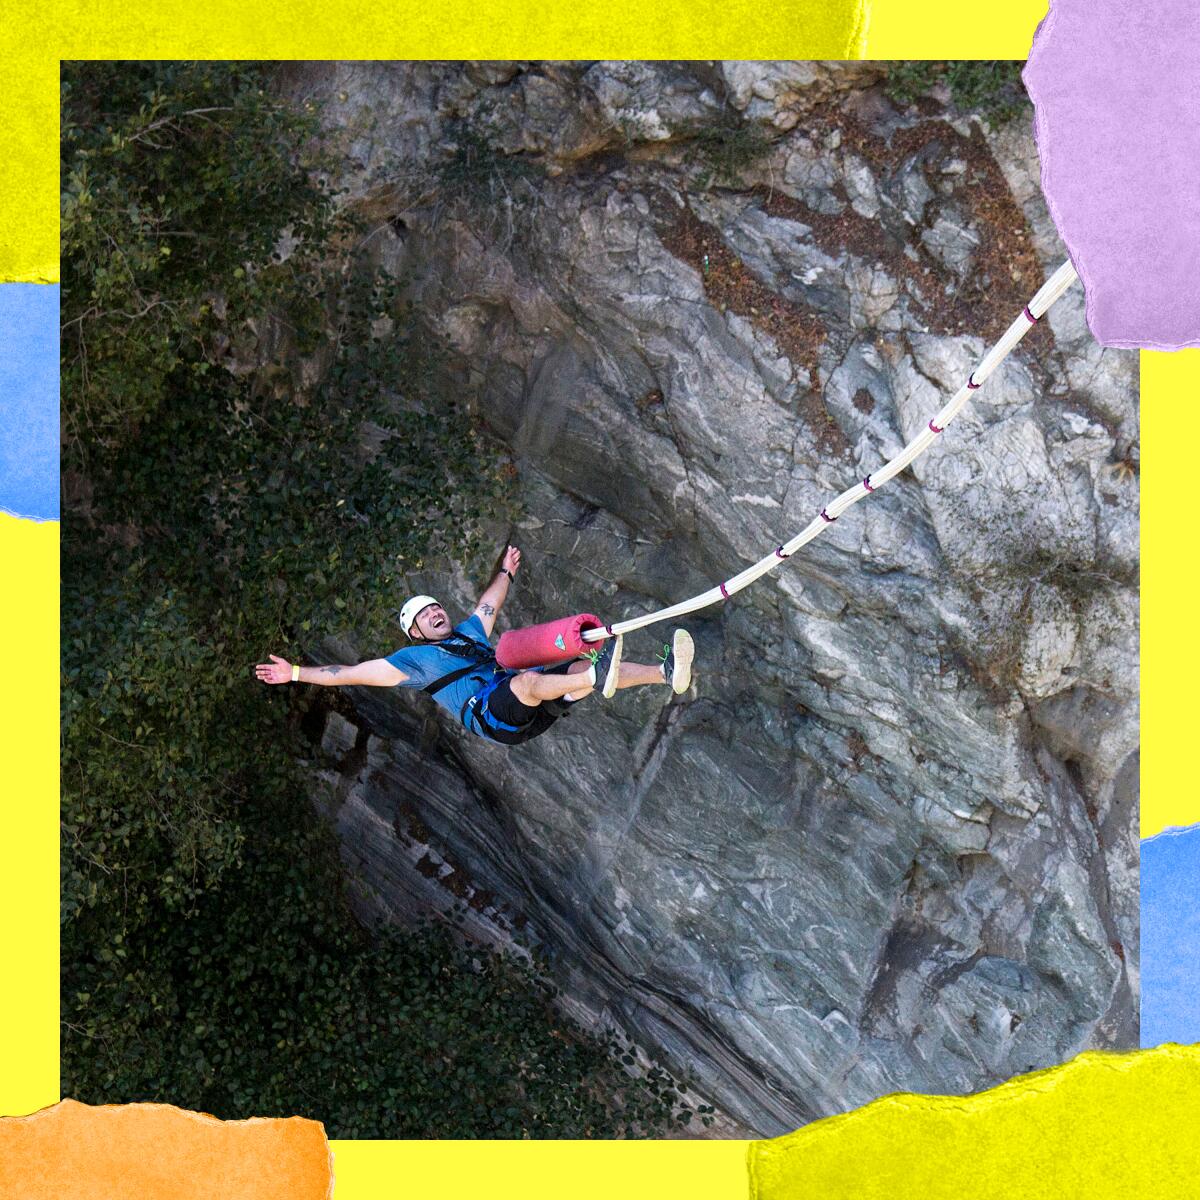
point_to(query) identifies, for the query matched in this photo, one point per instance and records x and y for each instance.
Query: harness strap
(459, 643)
(463, 647)
(476, 707)
(446, 680)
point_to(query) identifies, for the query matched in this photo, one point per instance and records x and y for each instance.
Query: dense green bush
(724, 147)
(481, 175)
(209, 956)
(993, 89)
(177, 180)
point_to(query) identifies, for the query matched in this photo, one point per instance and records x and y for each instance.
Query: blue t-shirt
(423, 664)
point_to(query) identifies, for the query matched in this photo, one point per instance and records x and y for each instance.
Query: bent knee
(524, 687)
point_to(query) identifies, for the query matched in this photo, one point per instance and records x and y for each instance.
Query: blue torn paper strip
(29, 400)
(1171, 937)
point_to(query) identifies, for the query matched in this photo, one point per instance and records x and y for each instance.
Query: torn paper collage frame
(1003, 903)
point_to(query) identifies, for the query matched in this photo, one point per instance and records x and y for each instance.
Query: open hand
(278, 670)
(512, 559)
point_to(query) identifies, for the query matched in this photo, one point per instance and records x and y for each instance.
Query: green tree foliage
(209, 956)
(478, 173)
(725, 147)
(177, 180)
(992, 89)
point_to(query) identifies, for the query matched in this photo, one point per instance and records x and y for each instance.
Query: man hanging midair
(457, 666)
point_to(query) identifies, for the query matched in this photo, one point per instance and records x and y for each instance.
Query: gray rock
(860, 184)
(339, 736)
(952, 241)
(888, 841)
(649, 101)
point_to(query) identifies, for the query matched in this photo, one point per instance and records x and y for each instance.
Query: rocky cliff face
(888, 841)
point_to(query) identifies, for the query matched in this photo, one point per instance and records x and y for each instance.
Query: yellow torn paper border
(29, 815)
(1170, 383)
(156, 1152)
(28, 243)
(36, 34)
(1102, 1125)
(28, 162)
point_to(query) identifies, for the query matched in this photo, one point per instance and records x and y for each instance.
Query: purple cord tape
(1117, 104)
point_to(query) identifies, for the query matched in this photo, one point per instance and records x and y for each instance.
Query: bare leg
(636, 674)
(532, 687)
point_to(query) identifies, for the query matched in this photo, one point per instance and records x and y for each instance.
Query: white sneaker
(677, 661)
(606, 664)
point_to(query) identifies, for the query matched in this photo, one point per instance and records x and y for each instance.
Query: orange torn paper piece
(1103, 1125)
(156, 1152)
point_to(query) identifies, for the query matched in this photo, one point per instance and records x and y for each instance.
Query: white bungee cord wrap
(1049, 292)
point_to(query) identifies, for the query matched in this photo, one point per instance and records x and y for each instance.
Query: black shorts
(528, 722)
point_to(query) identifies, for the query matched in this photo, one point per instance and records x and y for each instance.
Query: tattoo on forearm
(332, 670)
(486, 609)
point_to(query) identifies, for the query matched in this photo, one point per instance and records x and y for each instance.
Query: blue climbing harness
(477, 708)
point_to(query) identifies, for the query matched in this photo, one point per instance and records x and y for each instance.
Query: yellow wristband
(295, 672)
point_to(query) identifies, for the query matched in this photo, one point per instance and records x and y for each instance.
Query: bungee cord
(1037, 307)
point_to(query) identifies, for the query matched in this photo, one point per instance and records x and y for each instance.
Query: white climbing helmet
(412, 609)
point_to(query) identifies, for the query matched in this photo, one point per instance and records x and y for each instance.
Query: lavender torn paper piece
(1116, 88)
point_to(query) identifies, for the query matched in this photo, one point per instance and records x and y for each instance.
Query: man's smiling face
(432, 623)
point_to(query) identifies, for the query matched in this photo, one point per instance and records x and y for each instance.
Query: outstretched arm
(491, 600)
(376, 673)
